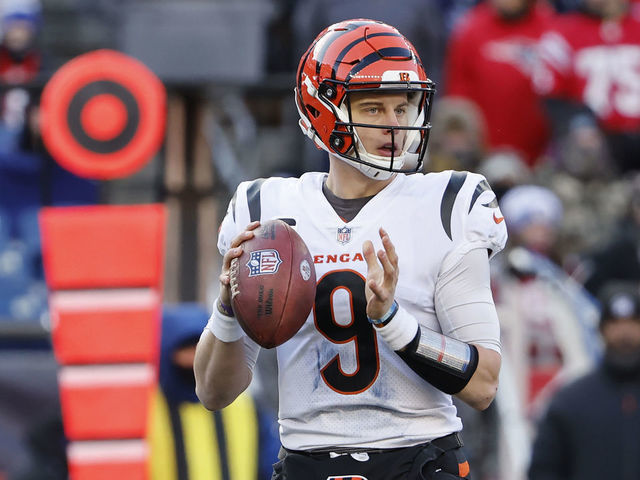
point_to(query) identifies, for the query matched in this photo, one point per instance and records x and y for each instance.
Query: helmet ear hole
(336, 141)
(327, 91)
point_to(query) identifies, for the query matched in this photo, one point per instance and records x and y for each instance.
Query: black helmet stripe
(374, 57)
(346, 49)
(326, 44)
(334, 35)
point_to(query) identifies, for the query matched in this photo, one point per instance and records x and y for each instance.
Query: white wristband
(224, 328)
(399, 332)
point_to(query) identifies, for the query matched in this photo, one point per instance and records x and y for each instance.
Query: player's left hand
(382, 276)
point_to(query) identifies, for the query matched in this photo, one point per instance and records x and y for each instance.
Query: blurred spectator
(547, 319)
(504, 169)
(580, 173)
(19, 65)
(457, 139)
(583, 151)
(590, 66)
(619, 258)
(533, 215)
(188, 441)
(20, 62)
(20, 58)
(491, 60)
(29, 178)
(590, 429)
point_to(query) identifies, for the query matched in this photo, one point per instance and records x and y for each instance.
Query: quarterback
(403, 316)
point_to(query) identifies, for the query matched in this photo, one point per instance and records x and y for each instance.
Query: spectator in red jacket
(591, 61)
(19, 56)
(491, 60)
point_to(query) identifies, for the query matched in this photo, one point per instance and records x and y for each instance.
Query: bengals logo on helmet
(362, 55)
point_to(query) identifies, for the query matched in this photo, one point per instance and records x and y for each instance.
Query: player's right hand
(235, 250)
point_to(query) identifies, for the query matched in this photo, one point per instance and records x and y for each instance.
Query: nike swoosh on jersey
(497, 219)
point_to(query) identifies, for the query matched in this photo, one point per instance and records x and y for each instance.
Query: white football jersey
(339, 384)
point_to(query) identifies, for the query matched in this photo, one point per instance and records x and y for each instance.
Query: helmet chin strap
(371, 172)
(405, 160)
(410, 160)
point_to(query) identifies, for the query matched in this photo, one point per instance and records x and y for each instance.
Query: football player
(403, 317)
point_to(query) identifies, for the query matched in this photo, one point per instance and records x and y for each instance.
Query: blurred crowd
(541, 97)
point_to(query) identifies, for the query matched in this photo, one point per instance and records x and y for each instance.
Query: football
(273, 284)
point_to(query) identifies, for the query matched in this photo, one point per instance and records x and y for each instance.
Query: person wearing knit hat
(533, 215)
(620, 328)
(548, 321)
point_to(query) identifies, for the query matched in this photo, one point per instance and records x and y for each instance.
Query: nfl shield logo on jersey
(264, 262)
(344, 235)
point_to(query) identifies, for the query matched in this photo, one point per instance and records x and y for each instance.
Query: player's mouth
(388, 150)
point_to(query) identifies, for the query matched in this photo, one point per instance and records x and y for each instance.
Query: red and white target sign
(103, 115)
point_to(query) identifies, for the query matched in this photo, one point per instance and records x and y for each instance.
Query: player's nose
(391, 119)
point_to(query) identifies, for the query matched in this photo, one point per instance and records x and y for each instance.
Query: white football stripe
(107, 451)
(116, 299)
(106, 375)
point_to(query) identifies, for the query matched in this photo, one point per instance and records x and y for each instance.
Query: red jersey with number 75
(597, 63)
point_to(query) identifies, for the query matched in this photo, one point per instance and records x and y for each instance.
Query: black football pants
(421, 462)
